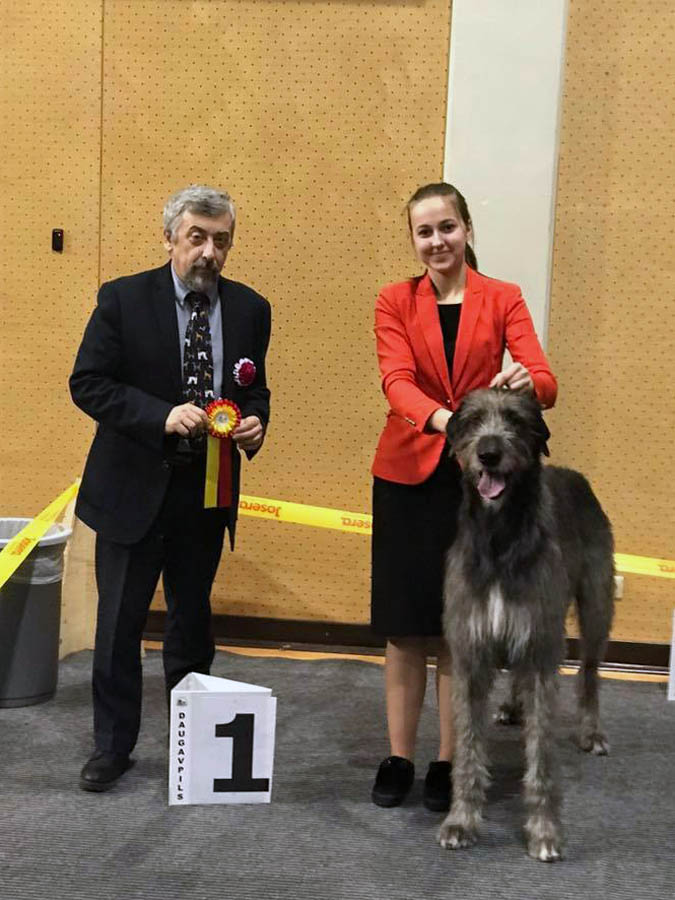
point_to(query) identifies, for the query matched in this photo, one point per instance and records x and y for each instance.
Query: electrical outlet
(618, 587)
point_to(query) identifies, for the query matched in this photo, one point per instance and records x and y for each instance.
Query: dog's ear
(531, 407)
(543, 434)
(452, 428)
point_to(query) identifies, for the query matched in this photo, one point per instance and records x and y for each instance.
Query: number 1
(240, 729)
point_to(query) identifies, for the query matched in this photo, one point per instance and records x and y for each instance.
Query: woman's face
(439, 235)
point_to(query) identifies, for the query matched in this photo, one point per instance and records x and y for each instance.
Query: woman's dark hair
(441, 189)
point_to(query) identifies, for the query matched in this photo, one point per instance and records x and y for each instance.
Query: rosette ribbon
(224, 416)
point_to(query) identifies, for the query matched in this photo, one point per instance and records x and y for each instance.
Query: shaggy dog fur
(531, 539)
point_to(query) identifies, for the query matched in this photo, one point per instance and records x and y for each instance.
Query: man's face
(198, 249)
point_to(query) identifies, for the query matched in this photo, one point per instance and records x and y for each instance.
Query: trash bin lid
(56, 534)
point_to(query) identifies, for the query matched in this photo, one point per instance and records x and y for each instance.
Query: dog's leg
(469, 769)
(511, 712)
(542, 798)
(594, 610)
(592, 738)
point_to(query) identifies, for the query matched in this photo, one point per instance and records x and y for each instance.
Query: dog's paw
(507, 714)
(545, 849)
(594, 742)
(456, 837)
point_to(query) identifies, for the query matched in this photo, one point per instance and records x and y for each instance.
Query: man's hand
(186, 420)
(249, 433)
(516, 377)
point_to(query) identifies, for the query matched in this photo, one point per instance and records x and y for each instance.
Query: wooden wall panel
(612, 324)
(50, 65)
(321, 119)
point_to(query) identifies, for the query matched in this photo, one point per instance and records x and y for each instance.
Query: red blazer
(415, 376)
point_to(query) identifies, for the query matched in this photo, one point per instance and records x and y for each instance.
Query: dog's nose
(489, 451)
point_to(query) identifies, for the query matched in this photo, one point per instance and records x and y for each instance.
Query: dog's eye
(467, 419)
(514, 420)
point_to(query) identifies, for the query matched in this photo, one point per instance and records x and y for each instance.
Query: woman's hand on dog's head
(515, 377)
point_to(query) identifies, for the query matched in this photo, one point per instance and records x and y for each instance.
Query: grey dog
(531, 539)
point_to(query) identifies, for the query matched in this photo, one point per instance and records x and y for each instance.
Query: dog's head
(496, 435)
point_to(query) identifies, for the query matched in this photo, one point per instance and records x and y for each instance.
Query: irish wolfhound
(531, 538)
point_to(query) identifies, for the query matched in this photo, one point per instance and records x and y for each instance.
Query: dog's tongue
(490, 486)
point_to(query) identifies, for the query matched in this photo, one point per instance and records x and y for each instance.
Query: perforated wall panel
(612, 313)
(50, 74)
(320, 119)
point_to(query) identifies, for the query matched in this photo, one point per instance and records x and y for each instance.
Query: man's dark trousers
(184, 543)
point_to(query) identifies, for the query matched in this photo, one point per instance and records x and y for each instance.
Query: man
(158, 348)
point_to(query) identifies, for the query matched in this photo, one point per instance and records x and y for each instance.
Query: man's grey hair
(199, 199)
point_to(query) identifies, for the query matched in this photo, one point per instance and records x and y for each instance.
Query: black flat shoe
(394, 779)
(438, 786)
(103, 770)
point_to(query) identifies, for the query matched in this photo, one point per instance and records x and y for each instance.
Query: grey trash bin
(30, 618)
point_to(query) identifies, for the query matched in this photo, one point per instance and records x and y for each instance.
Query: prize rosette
(223, 416)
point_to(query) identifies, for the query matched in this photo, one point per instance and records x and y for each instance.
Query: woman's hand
(515, 377)
(438, 420)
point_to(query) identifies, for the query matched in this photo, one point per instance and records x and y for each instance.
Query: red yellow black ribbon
(224, 416)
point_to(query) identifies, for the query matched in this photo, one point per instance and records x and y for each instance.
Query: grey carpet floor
(321, 837)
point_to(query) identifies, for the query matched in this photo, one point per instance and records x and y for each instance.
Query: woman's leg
(444, 694)
(405, 682)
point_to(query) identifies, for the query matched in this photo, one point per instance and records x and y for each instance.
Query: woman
(439, 336)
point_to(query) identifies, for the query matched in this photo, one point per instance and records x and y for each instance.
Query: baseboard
(307, 634)
(628, 655)
(280, 632)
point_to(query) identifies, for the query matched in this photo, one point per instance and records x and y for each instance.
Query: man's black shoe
(394, 779)
(103, 770)
(437, 786)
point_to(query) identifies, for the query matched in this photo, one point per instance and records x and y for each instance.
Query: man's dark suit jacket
(128, 377)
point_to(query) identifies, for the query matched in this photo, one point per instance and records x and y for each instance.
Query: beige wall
(321, 118)
(50, 153)
(50, 99)
(612, 312)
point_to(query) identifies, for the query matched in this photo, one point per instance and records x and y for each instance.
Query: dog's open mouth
(490, 485)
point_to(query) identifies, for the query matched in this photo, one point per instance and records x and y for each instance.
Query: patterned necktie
(198, 354)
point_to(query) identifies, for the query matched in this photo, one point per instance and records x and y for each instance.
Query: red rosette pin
(223, 416)
(244, 372)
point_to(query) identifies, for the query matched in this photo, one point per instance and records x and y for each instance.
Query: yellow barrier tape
(278, 511)
(362, 523)
(16, 550)
(301, 514)
(644, 565)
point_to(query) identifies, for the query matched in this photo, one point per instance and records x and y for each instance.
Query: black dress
(413, 526)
